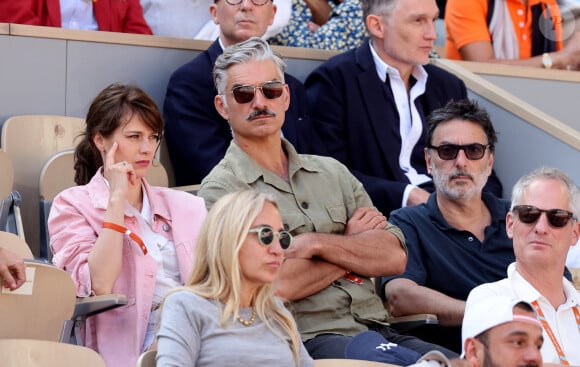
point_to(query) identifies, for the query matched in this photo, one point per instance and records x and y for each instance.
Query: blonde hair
(216, 270)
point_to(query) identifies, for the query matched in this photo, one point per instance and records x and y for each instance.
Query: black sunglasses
(529, 214)
(245, 93)
(449, 152)
(266, 236)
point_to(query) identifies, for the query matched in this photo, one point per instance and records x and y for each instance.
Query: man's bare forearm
(300, 278)
(371, 253)
(405, 297)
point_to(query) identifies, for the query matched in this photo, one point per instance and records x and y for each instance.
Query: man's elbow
(397, 263)
(396, 297)
(285, 287)
(287, 293)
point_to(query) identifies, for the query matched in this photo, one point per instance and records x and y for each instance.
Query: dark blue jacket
(356, 118)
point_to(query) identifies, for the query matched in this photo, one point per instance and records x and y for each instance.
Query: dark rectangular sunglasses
(529, 214)
(449, 152)
(246, 93)
(266, 236)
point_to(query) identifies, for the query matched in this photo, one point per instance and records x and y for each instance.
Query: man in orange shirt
(104, 15)
(517, 32)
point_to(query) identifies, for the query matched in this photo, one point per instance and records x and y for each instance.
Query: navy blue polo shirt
(449, 260)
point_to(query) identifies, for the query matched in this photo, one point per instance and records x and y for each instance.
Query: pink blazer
(75, 220)
(112, 15)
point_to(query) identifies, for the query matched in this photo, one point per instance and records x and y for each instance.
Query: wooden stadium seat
(10, 219)
(15, 244)
(7, 177)
(56, 174)
(40, 307)
(31, 140)
(46, 306)
(147, 359)
(42, 353)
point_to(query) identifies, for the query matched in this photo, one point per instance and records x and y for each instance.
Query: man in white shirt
(543, 223)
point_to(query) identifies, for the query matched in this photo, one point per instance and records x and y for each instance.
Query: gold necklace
(250, 321)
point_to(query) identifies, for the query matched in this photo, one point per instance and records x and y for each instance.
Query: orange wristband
(126, 231)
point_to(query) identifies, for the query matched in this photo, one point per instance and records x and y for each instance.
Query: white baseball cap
(491, 312)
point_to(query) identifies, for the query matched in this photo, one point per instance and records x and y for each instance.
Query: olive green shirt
(321, 196)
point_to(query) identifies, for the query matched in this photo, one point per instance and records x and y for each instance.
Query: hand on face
(364, 219)
(120, 175)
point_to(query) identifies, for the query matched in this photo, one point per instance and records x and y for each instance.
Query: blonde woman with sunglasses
(227, 314)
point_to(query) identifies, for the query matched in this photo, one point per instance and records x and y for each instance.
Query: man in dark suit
(370, 104)
(197, 136)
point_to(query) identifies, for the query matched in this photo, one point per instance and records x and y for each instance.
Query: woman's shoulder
(74, 194)
(187, 297)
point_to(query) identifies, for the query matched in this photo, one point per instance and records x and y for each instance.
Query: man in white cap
(498, 331)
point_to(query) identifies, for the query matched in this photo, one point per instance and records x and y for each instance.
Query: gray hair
(254, 49)
(548, 173)
(377, 7)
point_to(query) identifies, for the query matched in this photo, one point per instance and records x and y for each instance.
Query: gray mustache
(255, 114)
(462, 173)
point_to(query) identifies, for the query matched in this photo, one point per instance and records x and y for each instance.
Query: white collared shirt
(410, 122)
(561, 320)
(78, 14)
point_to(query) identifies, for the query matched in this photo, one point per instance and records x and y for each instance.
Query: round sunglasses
(246, 93)
(449, 152)
(266, 236)
(529, 214)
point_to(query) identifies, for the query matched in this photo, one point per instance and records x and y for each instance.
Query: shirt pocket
(338, 219)
(294, 222)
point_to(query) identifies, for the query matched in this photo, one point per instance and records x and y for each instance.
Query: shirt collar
(221, 44)
(98, 189)
(497, 211)
(528, 293)
(383, 68)
(249, 171)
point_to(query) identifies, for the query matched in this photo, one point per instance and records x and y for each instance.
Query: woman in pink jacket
(116, 234)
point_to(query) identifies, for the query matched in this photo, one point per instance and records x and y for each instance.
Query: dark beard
(489, 362)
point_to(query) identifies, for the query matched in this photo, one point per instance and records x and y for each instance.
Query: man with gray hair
(543, 223)
(340, 239)
(197, 136)
(370, 104)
